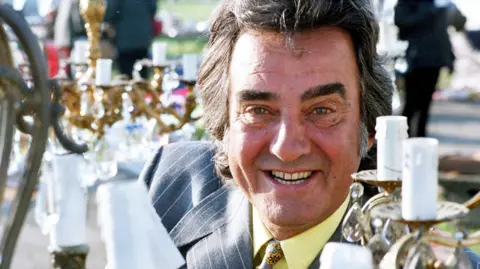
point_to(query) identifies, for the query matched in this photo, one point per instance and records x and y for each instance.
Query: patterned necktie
(273, 254)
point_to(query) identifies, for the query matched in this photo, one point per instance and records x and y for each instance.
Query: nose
(290, 142)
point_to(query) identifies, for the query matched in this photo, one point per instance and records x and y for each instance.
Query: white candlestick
(103, 72)
(343, 255)
(420, 179)
(391, 131)
(159, 53)
(69, 197)
(80, 49)
(189, 63)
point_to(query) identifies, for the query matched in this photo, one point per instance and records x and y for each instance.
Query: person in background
(423, 23)
(133, 22)
(69, 27)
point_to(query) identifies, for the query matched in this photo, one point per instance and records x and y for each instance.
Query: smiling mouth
(291, 178)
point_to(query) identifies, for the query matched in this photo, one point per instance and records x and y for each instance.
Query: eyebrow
(256, 95)
(323, 90)
(314, 92)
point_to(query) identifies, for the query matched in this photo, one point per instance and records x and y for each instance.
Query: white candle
(391, 131)
(103, 72)
(80, 49)
(344, 255)
(189, 63)
(420, 179)
(69, 197)
(159, 53)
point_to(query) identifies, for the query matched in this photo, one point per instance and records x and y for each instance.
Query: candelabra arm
(154, 115)
(471, 240)
(171, 110)
(136, 95)
(397, 252)
(474, 202)
(376, 200)
(58, 111)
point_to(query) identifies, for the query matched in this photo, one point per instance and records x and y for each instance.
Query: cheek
(245, 144)
(340, 144)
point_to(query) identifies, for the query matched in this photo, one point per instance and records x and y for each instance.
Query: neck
(282, 233)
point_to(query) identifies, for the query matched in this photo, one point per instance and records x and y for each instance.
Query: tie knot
(273, 254)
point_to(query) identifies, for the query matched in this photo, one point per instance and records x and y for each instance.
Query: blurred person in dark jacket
(423, 23)
(134, 32)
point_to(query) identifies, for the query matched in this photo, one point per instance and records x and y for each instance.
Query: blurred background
(454, 115)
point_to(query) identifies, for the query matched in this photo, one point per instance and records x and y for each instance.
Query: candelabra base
(69, 257)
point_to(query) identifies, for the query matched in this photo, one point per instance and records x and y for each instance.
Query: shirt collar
(301, 249)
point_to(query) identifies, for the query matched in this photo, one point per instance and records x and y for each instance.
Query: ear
(371, 140)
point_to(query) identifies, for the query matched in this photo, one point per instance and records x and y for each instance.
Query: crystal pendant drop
(356, 191)
(353, 224)
(378, 244)
(105, 161)
(393, 231)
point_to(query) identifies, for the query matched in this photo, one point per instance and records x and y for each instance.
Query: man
(291, 91)
(423, 23)
(133, 24)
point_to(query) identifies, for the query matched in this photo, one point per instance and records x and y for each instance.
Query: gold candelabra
(104, 103)
(399, 243)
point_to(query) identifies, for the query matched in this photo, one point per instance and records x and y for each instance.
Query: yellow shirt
(301, 249)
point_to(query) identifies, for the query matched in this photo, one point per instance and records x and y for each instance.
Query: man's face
(294, 124)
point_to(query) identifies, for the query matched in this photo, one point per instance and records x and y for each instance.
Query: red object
(182, 92)
(53, 55)
(157, 27)
(52, 58)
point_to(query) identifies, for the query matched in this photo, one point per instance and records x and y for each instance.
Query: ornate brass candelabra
(94, 108)
(399, 243)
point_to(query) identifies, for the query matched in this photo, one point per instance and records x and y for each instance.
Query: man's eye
(257, 115)
(324, 116)
(322, 111)
(259, 111)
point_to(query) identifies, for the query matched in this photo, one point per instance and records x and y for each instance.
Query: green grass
(179, 46)
(187, 10)
(190, 9)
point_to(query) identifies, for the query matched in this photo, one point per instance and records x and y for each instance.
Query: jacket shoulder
(179, 176)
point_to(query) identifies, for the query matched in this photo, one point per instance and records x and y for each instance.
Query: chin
(292, 213)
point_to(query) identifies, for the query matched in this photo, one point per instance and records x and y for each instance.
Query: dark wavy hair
(234, 17)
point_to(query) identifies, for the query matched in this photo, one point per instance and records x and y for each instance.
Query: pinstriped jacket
(210, 222)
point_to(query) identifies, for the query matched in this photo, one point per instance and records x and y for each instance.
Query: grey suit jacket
(209, 222)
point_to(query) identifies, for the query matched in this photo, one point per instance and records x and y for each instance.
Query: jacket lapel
(217, 233)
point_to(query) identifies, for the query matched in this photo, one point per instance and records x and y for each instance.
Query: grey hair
(363, 147)
(233, 17)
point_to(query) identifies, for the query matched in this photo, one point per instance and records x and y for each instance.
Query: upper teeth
(293, 176)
